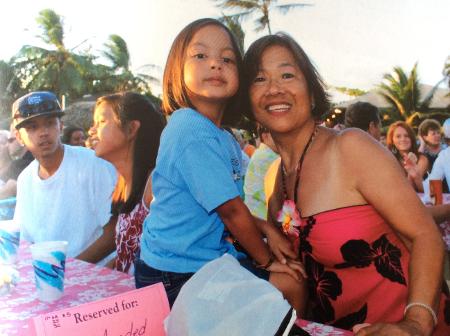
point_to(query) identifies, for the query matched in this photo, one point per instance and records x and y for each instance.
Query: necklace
(289, 215)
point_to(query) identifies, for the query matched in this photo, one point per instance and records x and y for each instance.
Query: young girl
(126, 132)
(197, 180)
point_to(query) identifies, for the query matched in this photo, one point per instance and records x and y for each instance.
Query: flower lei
(289, 218)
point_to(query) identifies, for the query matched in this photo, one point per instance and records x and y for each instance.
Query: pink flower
(289, 218)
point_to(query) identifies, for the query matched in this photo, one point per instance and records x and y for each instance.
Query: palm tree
(262, 7)
(56, 69)
(232, 22)
(446, 71)
(120, 77)
(402, 92)
(9, 89)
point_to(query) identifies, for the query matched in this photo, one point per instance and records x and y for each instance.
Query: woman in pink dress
(126, 132)
(371, 251)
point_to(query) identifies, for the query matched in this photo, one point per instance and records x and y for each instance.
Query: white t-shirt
(441, 167)
(73, 204)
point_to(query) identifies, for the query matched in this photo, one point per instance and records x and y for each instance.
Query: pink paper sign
(135, 313)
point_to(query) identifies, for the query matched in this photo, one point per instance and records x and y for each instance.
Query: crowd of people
(309, 211)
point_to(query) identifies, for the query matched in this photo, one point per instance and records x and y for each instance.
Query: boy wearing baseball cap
(65, 193)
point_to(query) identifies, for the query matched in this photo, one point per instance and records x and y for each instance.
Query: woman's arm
(373, 173)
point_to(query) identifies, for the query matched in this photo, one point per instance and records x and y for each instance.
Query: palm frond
(284, 9)
(52, 28)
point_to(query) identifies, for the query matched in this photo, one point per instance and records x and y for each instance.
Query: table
(317, 329)
(83, 283)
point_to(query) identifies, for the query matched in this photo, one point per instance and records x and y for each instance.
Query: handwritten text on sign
(140, 312)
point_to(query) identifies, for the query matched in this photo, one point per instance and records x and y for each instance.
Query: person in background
(74, 136)
(441, 167)
(401, 141)
(263, 157)
(372, 254)
(65, 193)
(19, 157)
(430, 140)
(197, 181)
(364, 116)
(126, 132)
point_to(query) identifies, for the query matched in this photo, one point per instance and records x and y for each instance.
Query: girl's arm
(372, 172)
(240, 223)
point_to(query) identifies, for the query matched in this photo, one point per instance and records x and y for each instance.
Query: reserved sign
(135, 313)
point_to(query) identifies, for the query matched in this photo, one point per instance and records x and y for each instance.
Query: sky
(351, 42)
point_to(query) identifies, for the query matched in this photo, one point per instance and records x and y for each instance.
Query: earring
(313, 106)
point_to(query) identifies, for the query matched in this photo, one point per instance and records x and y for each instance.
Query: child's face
(107, 137)
(433, 137)
(210, 70)
(41, 136)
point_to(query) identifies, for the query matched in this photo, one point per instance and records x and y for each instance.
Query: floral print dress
(357, 269)
(128, 237)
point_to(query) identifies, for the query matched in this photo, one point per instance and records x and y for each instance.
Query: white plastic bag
(223, 298)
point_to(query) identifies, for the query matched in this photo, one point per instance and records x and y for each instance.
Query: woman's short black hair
(129, 106)
(252, 62)
(361, 114)
(67, 133)
(175, 95)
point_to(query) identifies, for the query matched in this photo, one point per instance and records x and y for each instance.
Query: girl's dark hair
(67, 133)
(252, 63)
(129, 106)
(390, 139)
(175, 93)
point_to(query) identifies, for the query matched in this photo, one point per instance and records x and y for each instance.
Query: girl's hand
(294, 268)
(280, 246)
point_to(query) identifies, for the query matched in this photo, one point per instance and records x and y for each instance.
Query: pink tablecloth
(83, 283)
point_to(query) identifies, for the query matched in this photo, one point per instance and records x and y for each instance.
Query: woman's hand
(280, 246)
(292, 267)
(403, 328)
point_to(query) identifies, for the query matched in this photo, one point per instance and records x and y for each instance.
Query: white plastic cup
(49, 263)
(9, 242)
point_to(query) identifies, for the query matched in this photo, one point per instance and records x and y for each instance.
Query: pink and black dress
(357, 269)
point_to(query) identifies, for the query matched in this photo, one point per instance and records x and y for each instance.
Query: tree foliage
(232, 22)
(402, 92)
(350, 91)
(260, 8)
(74, 74)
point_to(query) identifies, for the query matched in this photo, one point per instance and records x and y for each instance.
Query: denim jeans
(145, 275)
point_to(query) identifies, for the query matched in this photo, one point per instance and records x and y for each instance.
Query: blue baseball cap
(35, 104)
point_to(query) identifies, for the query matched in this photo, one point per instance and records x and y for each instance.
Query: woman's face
(77, 138)
(279, 94)
(401, 139)
(106, 136)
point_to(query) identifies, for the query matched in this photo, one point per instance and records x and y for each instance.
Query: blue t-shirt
(198, 168)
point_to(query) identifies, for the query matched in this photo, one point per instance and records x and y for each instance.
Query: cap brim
(22, 122)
